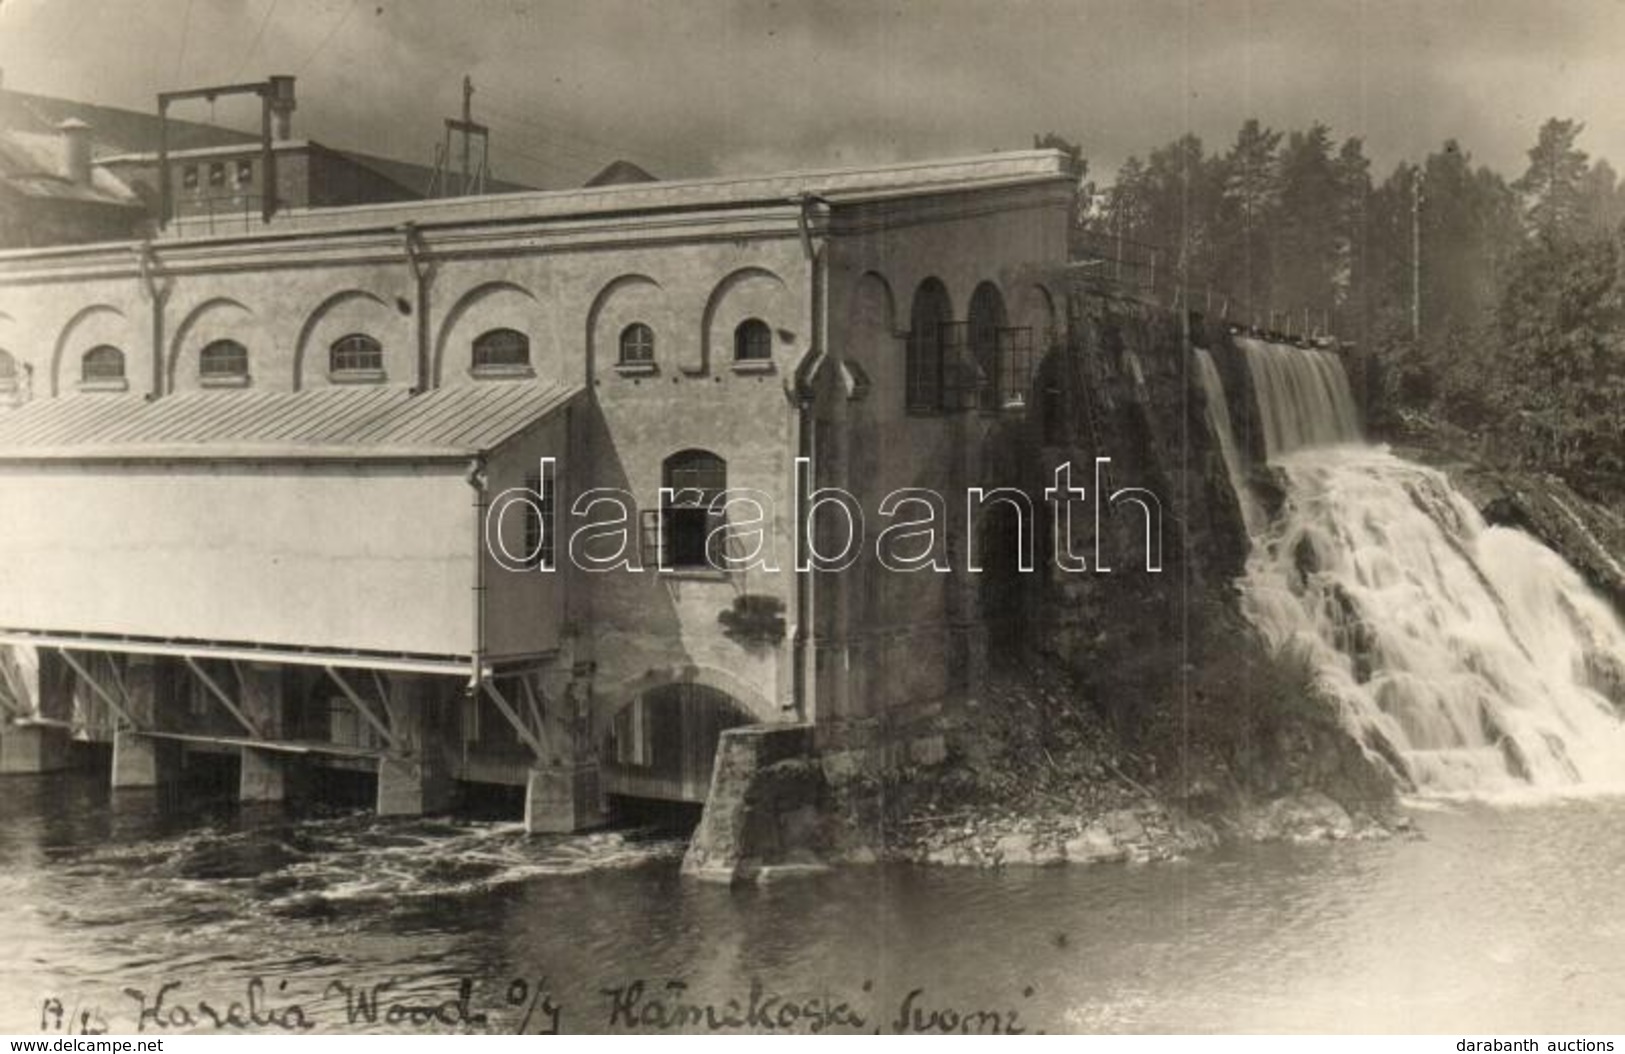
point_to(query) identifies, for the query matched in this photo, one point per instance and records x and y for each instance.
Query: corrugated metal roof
(362, 421)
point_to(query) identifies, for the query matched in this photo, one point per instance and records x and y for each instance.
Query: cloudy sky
(705, 86)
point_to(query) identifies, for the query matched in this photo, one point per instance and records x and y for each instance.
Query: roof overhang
(449, 665)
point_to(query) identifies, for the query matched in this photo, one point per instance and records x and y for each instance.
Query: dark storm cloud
(696, 88)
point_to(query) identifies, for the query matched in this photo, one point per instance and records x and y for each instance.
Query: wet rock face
(1307, 817)
(1140, 834)
(1589, 535)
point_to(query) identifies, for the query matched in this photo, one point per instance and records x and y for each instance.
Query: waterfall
(1218, 418)
(1303, 396)
(1469, 659)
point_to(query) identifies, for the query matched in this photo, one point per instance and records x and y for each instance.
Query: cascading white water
(1470, 659)
(1303, 396)
(1218, 416)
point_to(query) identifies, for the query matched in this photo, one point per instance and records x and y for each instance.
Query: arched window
(103, 363)
(500, 349)
(223, 360)
(753, 341)
(356, 353)
(637, 345)
(986, 320)
(925, 367)
(693, 479)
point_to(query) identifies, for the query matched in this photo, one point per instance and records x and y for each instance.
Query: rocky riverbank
(1035, 777)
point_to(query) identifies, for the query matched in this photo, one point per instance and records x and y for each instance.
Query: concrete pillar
(28, 749)
(562, 793)
(563, 799)
(264, 773)
(415, 778)
(31, 747)
(140, 761)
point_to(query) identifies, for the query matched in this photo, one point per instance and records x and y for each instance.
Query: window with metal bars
(1013, 366)
(501, 348)
(540, 520)
(753, 341)
(222, 359)
(102, 363)
(686, 532)
(356, 353)
(637, 345)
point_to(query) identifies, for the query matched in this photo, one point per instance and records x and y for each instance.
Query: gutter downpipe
(476, 478)
(147, 261)
(422, 272)
(805, 398)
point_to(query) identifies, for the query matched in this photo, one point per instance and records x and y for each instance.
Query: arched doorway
(663, 744)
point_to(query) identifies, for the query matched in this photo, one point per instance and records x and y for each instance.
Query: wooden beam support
(532, 704)
(379, 726)
(95, 686)
(225, 700)
(530, 738)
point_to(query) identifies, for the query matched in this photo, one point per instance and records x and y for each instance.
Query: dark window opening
(540, 545)
(637, 344)
(224, 358)
(690, 533)
(217, 174)
(102, 363)
(501, 348)
(925, 364)
(753, 341)
(985, 320)
(356, 353)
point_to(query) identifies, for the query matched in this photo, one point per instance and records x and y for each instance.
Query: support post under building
(138, 760)
(43, 745)
(414, 776)
(264, 772)
(563, 793)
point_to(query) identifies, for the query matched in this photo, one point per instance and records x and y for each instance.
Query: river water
(1501, 919)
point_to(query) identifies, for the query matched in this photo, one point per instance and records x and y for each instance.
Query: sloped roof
(619, 173)
(340, 422)
(30, 166)
(114, 130)
(120, 132)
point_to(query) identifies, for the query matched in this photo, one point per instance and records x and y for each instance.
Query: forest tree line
(1494, 305)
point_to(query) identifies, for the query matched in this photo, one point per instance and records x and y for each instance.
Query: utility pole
(1416, 255)
(468, 128)
(468, 121)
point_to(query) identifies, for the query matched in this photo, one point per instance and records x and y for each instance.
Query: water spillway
(1469, 659)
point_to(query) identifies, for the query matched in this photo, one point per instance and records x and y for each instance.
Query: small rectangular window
(245, 173)
(539, 543)
(217, 174)
(189, 177)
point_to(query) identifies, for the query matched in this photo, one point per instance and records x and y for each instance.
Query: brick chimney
(75, 139)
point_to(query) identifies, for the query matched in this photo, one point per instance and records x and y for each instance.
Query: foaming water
(1218, 415)
(1470, 660)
